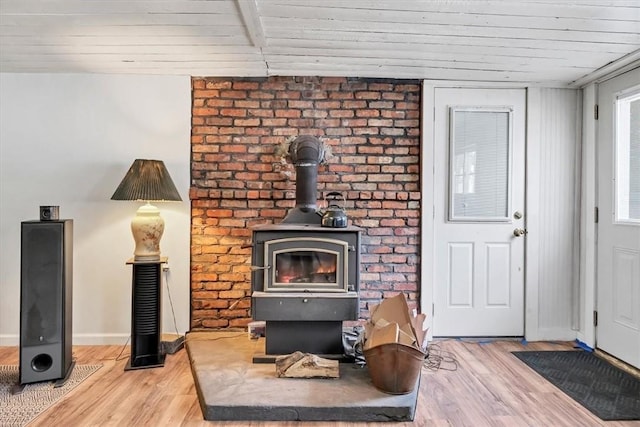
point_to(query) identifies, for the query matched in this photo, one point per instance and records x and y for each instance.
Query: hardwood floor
(485, 386)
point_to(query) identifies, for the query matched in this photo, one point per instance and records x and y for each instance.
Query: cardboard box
(393, 322)
(395, 345)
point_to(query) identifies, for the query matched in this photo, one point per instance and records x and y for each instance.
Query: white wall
(67, 140)
(553, 206)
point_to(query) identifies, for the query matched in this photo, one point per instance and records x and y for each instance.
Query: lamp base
(147, 228)
(155, 361)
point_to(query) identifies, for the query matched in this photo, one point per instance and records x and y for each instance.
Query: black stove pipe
(306, 153)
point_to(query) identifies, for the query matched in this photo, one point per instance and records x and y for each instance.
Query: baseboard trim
(10, 340)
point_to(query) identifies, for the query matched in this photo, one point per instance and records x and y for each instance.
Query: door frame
(532, 162)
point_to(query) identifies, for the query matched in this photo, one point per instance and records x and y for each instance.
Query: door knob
(519, 232)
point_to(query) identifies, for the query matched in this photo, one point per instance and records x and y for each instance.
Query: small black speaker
(46, 285)
(49, 213)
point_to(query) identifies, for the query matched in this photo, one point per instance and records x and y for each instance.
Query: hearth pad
(232, 388)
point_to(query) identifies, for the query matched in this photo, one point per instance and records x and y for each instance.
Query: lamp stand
(147, 228)
(146, 296)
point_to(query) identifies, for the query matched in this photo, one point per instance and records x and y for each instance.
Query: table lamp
(147, 181)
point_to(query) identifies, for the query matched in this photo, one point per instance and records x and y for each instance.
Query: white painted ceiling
(560, 43)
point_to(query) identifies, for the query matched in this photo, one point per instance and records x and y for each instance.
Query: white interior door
(479, 216)
(618, 301)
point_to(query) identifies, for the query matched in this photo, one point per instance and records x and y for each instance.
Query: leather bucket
(394, 368)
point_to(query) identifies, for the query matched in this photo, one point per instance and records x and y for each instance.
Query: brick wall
(238, 182)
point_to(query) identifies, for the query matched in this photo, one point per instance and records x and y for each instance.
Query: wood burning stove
(305, 279)
(305, 284)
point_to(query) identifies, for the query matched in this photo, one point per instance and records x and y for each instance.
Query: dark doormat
(606, 391)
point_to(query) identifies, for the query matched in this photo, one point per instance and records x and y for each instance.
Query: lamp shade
(147, 180)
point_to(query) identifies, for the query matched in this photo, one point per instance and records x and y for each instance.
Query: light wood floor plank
(489, 387)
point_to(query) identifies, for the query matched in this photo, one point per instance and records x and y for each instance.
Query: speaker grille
(42, 277)
(146, 295)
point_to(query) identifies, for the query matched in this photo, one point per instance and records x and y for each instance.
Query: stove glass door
(306, 265)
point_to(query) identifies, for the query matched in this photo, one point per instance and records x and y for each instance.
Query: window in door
(627, 145)
(480, 161)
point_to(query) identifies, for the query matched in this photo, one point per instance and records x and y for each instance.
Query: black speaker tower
(46, 284)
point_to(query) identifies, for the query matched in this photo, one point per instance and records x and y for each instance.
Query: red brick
(393, 96)
(240, 85)
(367, 113)
(215, 303)
(341, 95)
(341, 113)
(392, 131)
(300, 123)
(205, 111)
(216, 286)
(244, 103)
(235, 148)
(219, 103)
(233, 112)
(381, 104)
(246, 122)
(354, 104)
(394, 169)
(354, 122)
(338, 131)
(395, 241)
(213, 323)
(235, 94)
(379, 268)
(273, 85)
(274, 122)
(211, 93)
(407, 105)
(394, 114)
(318, 114)
(314, 94)
(232, 131)
(219, 213)
(367, 95)
(290, 94)
(257, 131)
(218, 84)
(219, 121)
(258, 112)
(327, 105)
(232, 294)
(239, 323)
(395, 222)
(300, 104)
